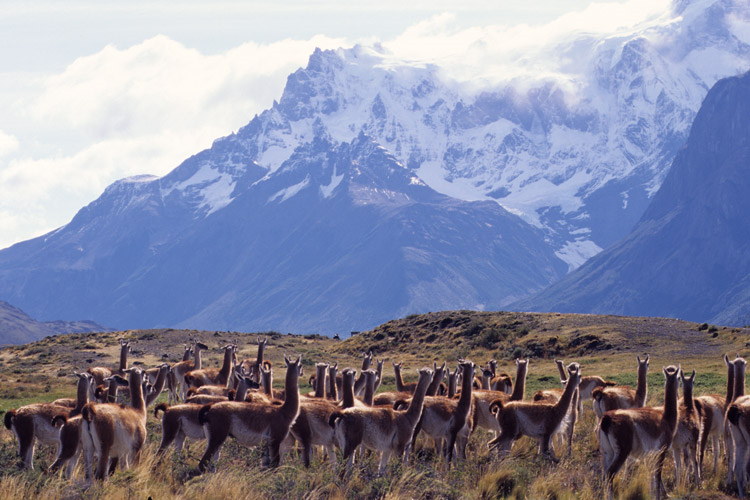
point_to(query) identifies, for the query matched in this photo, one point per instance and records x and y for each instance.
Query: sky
(94, 91)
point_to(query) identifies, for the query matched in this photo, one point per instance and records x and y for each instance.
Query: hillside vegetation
(604, 345)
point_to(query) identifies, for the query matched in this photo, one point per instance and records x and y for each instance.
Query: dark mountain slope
(339, 237)
(689, 255)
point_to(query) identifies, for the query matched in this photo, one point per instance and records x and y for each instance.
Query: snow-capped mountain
(578, 155)
(689, 256)
(340, 236)
(377, 187)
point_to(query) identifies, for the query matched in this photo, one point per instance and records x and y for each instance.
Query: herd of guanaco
(346, 412)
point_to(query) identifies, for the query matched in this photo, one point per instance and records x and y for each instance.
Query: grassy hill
(604, 345)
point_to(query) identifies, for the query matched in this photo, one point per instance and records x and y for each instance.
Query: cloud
(8, 143)
(122, 112)
(496, 53)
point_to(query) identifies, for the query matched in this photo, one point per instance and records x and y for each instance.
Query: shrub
(472, 329)
(704, 326)
(498, 484)
(489, 338)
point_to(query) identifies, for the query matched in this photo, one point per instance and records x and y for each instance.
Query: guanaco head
(366, 360)
(671, 373)
(294, 364)
(349, 374)
(574, 373)
(684, 379)
(492, 365)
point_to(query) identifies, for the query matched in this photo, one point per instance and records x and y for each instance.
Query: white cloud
(161, 85)
(499, 53)
(139, 110)
(8, 143)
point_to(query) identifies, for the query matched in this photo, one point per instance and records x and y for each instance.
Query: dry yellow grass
(604, 345)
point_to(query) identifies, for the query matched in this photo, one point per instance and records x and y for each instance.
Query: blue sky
(93, 91)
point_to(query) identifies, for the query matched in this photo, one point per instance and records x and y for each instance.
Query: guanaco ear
(692, 377)
(726, 360)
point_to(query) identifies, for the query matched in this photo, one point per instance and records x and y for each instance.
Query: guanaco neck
(267, 381)
(730, 384)
(226, 367)
(369, 387)
(571, 385)
(124, 348)
(561, 370)
(437, 378)
(333, 390)
(520, 386)
(347, 389)
(379, 372)
(261, 352)
(161, 379)
(291, 390)
(399, 380)
(452, 382)
(136, 391)
(464, 401)
(687, 396)
(112, 392)
(414, 411)
(197, 359)
(82, 393)
(670, 400)
(486, 375)
(320, 380)
(359, 385)
(242, 388)
(641, 391)
(739, 378)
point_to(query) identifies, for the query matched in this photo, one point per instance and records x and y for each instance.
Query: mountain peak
(688, 255)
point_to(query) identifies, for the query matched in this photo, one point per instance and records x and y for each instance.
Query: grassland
(604, 345)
